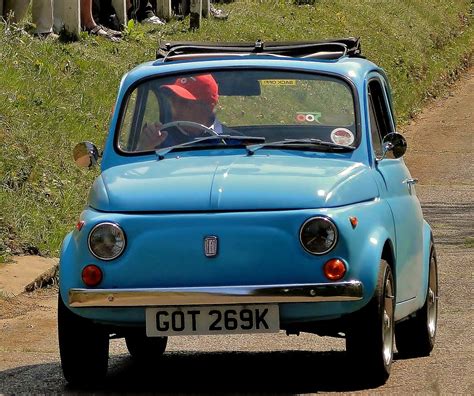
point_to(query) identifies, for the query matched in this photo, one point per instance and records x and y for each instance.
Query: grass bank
(55, 94)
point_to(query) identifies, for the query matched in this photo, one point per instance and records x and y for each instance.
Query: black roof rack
(330, 49)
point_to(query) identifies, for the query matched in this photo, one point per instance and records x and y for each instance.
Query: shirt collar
(216, 126)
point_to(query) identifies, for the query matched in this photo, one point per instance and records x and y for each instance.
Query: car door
(397, 188)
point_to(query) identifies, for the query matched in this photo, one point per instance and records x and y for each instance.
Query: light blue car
(249, 188)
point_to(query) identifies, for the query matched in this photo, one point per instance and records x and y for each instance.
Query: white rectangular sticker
(223, 319)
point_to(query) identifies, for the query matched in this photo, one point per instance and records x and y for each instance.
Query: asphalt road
(440, 154)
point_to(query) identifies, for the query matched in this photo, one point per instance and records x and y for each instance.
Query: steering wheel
(180, 124)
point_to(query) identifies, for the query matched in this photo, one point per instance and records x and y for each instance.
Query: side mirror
(394, 142)
(85, 154)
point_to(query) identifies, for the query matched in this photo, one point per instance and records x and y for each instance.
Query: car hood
(228, 183)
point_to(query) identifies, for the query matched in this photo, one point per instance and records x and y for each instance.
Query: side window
(374, 129)
(125, 137)
(380, 123)
(143, 107)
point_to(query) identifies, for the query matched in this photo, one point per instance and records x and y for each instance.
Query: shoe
(99, 30)
(217, 13)
(46, 36)
(114, 33)
(153, 20)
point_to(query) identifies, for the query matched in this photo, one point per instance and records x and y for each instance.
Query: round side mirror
(396, 143)
(85, 154)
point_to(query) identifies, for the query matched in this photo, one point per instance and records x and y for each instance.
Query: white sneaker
(154, 20)
(46, 36)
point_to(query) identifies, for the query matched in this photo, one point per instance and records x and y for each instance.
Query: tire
(83, 347)
(415, 337)
(143, 348)
(370, 335)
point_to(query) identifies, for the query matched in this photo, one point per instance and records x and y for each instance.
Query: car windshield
(272, 104)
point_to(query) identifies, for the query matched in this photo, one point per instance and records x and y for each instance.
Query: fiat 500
(249, 188)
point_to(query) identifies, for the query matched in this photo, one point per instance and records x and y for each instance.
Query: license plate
(223, 319)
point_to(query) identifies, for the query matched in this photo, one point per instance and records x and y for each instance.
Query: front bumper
(219, 295)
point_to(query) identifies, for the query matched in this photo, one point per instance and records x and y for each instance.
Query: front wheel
(415, 336)
(83, 347)
(370, 336)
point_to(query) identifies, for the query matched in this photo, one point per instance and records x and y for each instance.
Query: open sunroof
(330, 49)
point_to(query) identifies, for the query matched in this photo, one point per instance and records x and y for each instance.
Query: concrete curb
(27, 273)
(46, 279)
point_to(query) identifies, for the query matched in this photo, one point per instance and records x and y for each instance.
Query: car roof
(338, 57)
(354, 69)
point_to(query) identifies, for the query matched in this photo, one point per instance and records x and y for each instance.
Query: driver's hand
(151, 137)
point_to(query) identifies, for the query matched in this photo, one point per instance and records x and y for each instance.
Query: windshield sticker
(308, 117)
(278, 82)
(342, 136)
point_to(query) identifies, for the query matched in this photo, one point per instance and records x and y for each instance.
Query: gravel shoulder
(440, 153)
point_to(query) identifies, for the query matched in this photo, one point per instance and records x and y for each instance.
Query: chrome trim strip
(319, 292)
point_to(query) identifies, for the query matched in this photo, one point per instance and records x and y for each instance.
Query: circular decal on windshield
(342, 136)
(308, 117)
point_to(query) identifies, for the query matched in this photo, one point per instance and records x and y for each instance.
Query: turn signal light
(334, 269)
(91, 275)
(353, 221)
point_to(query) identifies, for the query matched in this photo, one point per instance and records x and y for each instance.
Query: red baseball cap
(202, 87)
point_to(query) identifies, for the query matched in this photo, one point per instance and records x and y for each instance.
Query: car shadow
(282, 372)
(237, 372)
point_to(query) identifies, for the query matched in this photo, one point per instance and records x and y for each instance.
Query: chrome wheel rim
(388, 323)
(432, 299)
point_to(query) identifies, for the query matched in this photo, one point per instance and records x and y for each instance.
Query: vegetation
(469, 242)
(54, 94)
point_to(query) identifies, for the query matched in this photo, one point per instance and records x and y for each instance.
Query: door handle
(411, 182)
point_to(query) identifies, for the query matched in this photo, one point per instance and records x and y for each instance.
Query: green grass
(469, 242)
(55, 94)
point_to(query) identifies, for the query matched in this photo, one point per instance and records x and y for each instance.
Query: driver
(190, 99)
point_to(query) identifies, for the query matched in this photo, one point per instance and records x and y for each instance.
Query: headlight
(318, 235)
(106, 241)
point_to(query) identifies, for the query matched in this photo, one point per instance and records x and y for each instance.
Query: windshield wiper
(298, 144)
(196, 143)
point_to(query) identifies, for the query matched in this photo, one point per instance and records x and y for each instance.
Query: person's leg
(89, 25)
(96, 10)
(18, 7)
(87, 20)
(42, 15)
(145, 14)
(146, 10)
(132, 8)
(108, 15)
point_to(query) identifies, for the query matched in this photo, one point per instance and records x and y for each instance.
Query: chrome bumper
(219, 295)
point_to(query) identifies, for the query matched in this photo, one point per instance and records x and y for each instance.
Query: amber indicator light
(353, 221)
(334, 269)
(91, 275)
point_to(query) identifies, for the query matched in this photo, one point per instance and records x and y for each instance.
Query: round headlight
(106, 241)
(318, 235)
